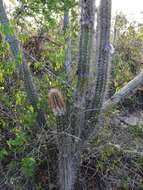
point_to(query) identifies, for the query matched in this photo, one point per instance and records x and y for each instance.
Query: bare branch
(124, 92)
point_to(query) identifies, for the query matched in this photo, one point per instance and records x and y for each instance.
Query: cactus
(69, 158)
(73, 131)
(29, 85)
(102, 68)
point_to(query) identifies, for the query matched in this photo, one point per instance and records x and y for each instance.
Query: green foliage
(28, 117)
(137, 131)
(20, 97)
(121, 68)
(19, 140)
(28, 166)
(3, 153)
(108, 158)
(18, 58)
(128, 42)
(7, 29)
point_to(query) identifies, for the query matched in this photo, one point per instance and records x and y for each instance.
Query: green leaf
(1, 77)
(6, 29)
(28, 166)
(3, 153)
(19, 140)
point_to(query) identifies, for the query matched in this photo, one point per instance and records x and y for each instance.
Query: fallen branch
(127, 90)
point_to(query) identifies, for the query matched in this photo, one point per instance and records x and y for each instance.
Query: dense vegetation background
(114, 159)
